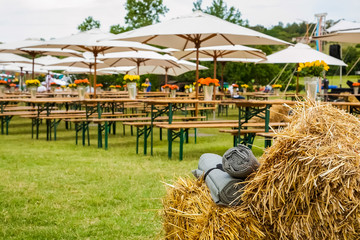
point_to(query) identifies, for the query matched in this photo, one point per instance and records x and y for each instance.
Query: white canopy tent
(343, 25)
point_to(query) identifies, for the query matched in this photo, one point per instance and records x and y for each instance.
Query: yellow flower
(301, 65)
(299, 69)
(317, 63)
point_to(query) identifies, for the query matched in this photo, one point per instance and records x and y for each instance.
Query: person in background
(147, 81)
(48, 80)
(325, 87)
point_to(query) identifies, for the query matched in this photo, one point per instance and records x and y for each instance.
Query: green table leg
(83, 133)
(169, 143)
(106, 134)
(151, 130)
(195, 135)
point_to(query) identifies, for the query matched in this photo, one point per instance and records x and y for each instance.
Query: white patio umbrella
(350, 36)
(47, 60)
(227, 51)
(183, 67)
(140, 58)
(13, 58)
(21, 67)
(89, 41)
(343, 25)
(197, 30)
(301, 53)
(117, 70)
(25, 47)
(223, 62)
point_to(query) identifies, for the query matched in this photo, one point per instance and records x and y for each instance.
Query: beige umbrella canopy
(26, 47)
(350, 36)
(216, 52)
(197, 30)
(183, 67)
(140, 58)
(89, 41)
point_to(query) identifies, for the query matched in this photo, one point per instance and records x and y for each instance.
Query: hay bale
(190, 213)
(278, 113)
(308, 186)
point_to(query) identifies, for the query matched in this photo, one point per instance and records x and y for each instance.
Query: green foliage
(220, 9)
(143, 13)
(116, 29)
(88, 24)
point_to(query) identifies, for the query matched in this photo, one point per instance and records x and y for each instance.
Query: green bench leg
(145, 140)
(99, 136)
(83, 133)
(195, 134)
(160, 130)
(137, 140)
(181, 144)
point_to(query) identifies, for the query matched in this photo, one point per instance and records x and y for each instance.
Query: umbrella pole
(214, 90)
(138, 68)
(222, 75)
(297, 81)
(166, 75)
(197, 78)
(90, 75)
(95, 55)
(33, 63)
(21, 79)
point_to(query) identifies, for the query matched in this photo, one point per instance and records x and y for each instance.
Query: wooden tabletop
(174, 100)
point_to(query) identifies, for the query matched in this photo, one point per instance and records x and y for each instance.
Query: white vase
(244, 90)
(173, 93)
(167, 90)
(131, 86)
(208, 92)
(356, 90)
(311, 84)
(187, 90)
(98, 90)
(32, 91)
(12, 89)
(2, 90)
(144, 90)
(81, 92)
(277, 91)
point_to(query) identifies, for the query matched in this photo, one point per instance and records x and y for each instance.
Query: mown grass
(59, 190)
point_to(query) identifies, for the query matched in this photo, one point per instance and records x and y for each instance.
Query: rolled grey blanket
(224, 189)
(239, 161)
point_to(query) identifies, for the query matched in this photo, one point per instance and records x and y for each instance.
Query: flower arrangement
(63, 86)
(12, 85)
(276, 86)
(131, 78)
(82, 82)
(2, 82)
(313, 69)
(194, 84)
(356, 84)
(72, 86)
(53, 84)
(98, 85)
(145, 85)
(187, 87)
(208, 81)
(112, 86)
(166, 86)
(174, 87)
(117, 86)
(235, 85)
(244, 85)
(32, 83)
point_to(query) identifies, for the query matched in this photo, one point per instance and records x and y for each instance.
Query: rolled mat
(224, 189)
(239, 161)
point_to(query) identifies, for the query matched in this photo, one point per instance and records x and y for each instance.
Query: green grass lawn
(59, 190)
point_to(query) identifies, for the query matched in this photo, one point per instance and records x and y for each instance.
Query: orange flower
(82, 82)
(117, 86)
(208, 81)
(172, 87)
(12, 85)
(99, 85)
(166, 86)
(356, 84)
(235, 85)
(2, 82)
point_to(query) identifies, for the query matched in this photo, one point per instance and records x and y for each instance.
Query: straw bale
(308, 186)
(278, 113)
(190, 213)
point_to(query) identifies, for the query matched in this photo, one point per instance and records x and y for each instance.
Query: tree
(116, 29)
(144, 12)
(220, 9)
(88, 24)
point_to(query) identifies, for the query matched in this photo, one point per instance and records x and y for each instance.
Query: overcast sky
(20, 19)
